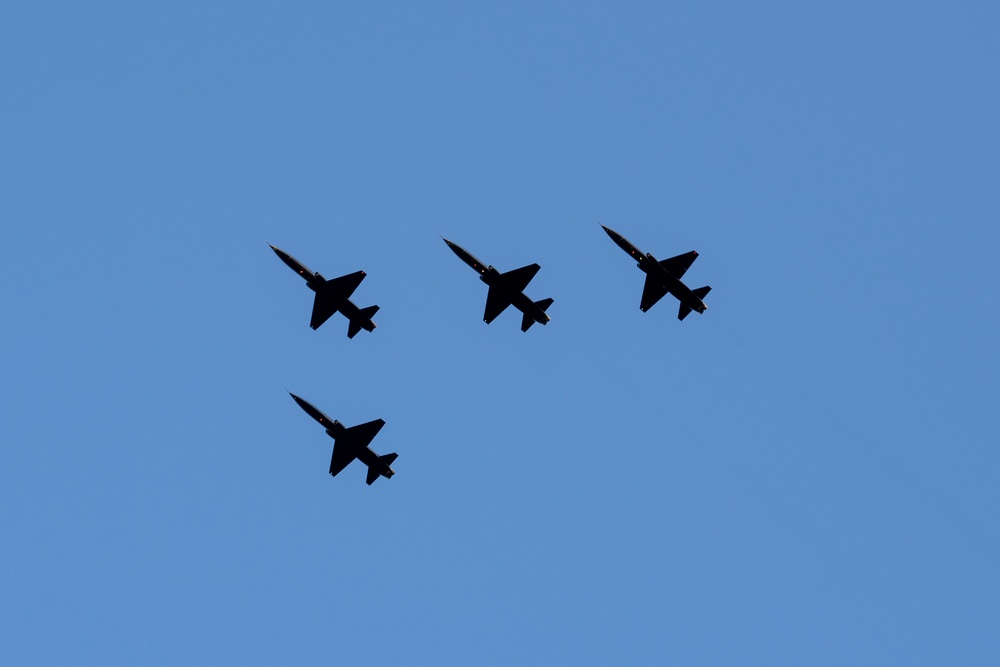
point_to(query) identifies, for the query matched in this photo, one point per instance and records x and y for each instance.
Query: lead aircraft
(663, 277)
(333, 295)
(506, 289)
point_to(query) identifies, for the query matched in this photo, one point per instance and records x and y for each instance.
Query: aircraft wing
(677, 266)
(342, 457)
(519, 278)
(496, 303)
(324, 306)
(652, 292)
(362, 434)
(345, 285)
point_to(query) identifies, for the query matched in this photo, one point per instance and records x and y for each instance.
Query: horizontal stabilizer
(685, 310)
(362, 322)
(372, 476)
(527, 320)
(389, 458)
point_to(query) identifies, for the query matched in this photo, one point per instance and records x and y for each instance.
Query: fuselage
(468, 258)
(298, 267)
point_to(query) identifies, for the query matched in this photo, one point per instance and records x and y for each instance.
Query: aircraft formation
(505, 289)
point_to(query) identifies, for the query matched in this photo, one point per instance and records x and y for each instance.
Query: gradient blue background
(806, 474)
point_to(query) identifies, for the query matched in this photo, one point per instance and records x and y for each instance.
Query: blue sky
(805, 474)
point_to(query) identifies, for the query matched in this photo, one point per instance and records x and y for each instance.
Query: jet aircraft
(333, 295)
(352, 443)
(663, 277)
(506, 289)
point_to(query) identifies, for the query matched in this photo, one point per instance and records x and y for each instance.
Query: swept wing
(362, 434)
(678, 266)
(652, 291)
(351, 442)
(496, 302)
(342, 457)
(519, 278)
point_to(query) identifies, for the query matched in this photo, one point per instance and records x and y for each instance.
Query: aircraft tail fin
(370, 311)
(372, 476)
(683, 312)
(527, 320)
(389, 458)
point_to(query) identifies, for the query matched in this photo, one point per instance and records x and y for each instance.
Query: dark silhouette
(506, 289)
(333, 295)
(352, 443)
(663, 277)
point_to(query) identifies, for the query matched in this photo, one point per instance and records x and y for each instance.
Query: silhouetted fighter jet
(352, 443)
(506, 289)
(663, 277)
(333, 295)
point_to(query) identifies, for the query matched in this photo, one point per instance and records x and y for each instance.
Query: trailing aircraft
(352, 443)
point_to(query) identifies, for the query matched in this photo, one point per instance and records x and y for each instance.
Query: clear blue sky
(805, 474)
